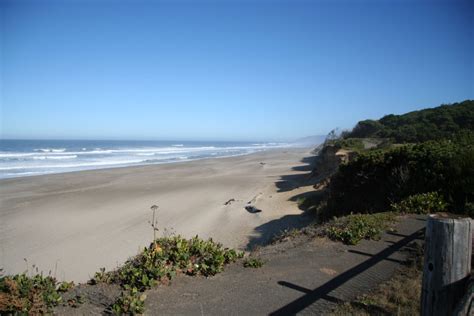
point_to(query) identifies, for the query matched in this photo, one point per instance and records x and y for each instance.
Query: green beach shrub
(23, 294)
(375, 180)
(252, 262)
(130, 303)
(424, 203)
(354, 144)
(160, 262)
(101, 277)
(167, 256)
(353, 228)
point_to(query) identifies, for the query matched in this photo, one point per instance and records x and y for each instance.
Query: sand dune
(75, 223)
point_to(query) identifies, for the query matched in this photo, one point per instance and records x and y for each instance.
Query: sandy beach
(75, 223)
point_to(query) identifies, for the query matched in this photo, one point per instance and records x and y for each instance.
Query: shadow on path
(322, 292)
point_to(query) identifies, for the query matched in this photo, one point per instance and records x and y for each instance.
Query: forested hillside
(422, 160)
(429, 124)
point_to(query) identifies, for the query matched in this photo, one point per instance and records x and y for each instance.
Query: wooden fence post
(447, 267)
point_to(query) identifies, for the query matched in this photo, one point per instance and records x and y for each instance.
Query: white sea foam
(159, 150)
(42, 155)
(76, 165)
(162, 149)
(50, 159)
(15, 155)
(145, 154)
(51, 150)
(16, 174)
(99, 151)
(92, 152)
(54, 157)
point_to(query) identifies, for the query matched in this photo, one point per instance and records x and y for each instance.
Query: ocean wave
(54, 157)
(29, 173)
(61, 152)
(77, 165)
(164, 159)
(145, 154)
(162, 149)
(95, 151)
(51, 150)
(92, 152)
(15, 155)
(45, 155)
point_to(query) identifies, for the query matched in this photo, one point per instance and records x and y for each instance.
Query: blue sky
(226, 70)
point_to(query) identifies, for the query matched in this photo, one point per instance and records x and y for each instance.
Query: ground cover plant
(160, 262)
(424, 203)
(25, 294)
(252, 262)
(352, 229)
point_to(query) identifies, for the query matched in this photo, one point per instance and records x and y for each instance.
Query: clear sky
(226, 70)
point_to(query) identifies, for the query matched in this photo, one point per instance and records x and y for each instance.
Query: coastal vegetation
(424, 203)
(429, 172)
(159, 263)
(353, 228)
(252, 262)
(156, 264)
(419, 126)
(375, 180)
(35, 294)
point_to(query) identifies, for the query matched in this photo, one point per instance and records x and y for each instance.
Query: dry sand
(75, 223)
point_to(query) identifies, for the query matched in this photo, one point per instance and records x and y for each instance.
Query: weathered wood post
(448, 248)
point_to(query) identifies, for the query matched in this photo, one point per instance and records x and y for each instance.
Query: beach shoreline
(77, 222)
(21, 158)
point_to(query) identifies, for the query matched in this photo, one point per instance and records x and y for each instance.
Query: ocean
(21, 158)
